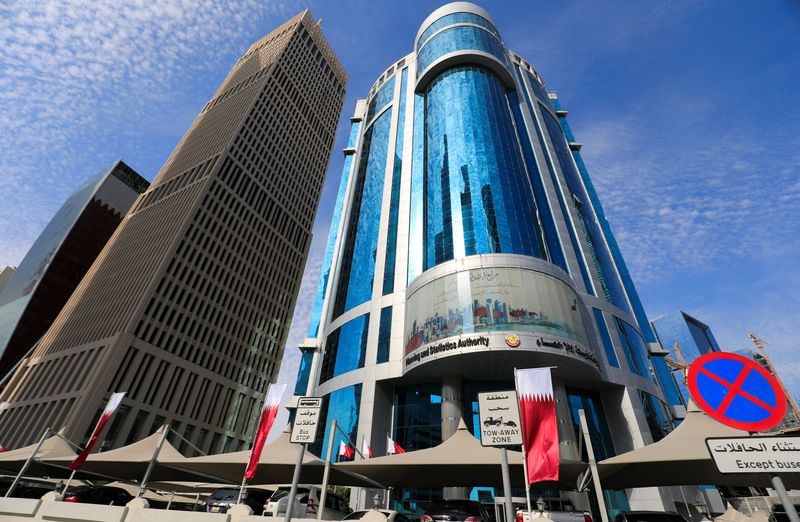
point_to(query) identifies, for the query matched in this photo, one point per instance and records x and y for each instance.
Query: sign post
(738, 392)
(304, 432)
(759, 455)
(500, 427)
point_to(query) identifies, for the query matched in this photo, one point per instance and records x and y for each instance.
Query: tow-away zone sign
(499, 419)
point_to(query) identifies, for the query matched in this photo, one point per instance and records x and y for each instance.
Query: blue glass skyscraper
(465, 221)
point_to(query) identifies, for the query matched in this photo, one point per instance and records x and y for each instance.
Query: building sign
(306, 420)
(457, 309)
(736, 391)
(499, 419)
(755, 454)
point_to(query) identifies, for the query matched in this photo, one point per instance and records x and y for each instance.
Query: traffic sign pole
(788, 506)
(507, 485)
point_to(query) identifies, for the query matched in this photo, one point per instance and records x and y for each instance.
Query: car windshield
(225, 494)
(654, 517)
(284, 492)
(356, 515)
(462, 507)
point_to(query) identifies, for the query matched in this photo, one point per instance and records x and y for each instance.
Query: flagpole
(71, 476)
(593, 465)
(28, 462)
(327, 472)
(524, 461)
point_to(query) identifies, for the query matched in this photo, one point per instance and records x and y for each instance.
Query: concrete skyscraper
(60, 257)
(467, 239)
(188, 305)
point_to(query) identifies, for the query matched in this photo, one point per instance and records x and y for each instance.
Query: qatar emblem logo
(513, 340)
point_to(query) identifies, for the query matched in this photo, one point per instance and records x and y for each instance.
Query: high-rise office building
(693, 337)
(188, 305)
(60, 257)
(467, 240)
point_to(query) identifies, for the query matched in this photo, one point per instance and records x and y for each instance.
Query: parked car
(27, 492)
(307, 504)
(104, 495)
(390, 514)
(556, 509)
(222, 499)
(456, 511)
(649, 516)
(778, 513)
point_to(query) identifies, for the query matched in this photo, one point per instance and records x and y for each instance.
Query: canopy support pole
(295, 481)
(153, 460)
(509, 508)
(788, 506)
(28, 462)
(598, 489)
(327, 472)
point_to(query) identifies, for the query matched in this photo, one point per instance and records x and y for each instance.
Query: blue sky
(688, 112)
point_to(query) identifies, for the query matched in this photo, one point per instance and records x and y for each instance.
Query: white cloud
(83, 83)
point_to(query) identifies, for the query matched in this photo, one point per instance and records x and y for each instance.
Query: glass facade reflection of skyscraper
(468, 240)
(693, 338)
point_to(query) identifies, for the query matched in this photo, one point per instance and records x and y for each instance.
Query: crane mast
(760, 345)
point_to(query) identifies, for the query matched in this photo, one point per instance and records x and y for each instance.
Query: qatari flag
(539, 429)
(111, 407)
(271, 404)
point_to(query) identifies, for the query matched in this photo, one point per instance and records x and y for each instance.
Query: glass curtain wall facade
(467, 240)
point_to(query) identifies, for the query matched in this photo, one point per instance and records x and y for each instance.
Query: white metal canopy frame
(458, 461)
(682, 459)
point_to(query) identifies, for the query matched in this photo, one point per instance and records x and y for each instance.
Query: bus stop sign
(736, 391)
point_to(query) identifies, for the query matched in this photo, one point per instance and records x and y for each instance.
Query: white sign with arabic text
(755, 454)
(499, 418)
(306, 420)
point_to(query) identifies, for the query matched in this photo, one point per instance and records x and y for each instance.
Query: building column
(452, 413)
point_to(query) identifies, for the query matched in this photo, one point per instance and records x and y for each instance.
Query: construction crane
(680, 364)
(760, 345)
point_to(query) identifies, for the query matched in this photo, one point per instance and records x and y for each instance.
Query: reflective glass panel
(361, 242)
(394, 205)
(416, 236)
(657, 414)
(452, 19)
(418, 416)
(634, 348)
(343, 405)
(599, 255)
(385, 335)
(608, 346)
(478, 196)
(304, 372)
(550, 232)
(667, 381)
(333, 233)
(345, 348)
(456, 39)
(381, 99)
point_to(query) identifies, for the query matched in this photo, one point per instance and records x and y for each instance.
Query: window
(602, 327)
(384, 335)
(345, 348)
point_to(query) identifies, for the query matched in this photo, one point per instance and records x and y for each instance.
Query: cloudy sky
(689, 113)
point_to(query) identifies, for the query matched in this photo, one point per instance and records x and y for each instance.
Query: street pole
(295, 480)
(598, 490)
(788, 506)
(153, 460)
(327, 472)
(30, 459)
(509, 508)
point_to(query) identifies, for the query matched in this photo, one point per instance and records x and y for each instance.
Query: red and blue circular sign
(736, 391)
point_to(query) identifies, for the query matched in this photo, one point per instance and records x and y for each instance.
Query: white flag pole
(524, 458)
